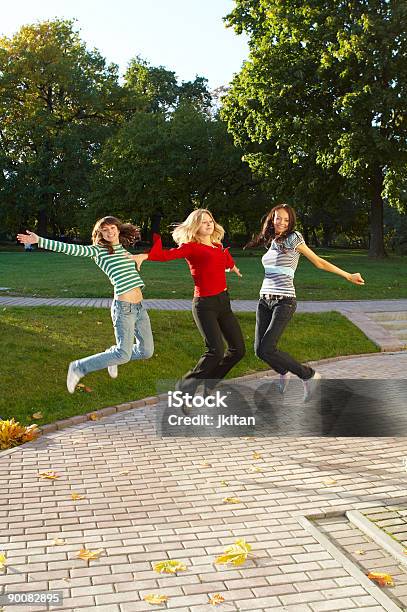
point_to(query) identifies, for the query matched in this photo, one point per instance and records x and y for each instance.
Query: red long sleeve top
(206, 263)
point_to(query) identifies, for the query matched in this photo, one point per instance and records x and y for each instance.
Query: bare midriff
(133, 296)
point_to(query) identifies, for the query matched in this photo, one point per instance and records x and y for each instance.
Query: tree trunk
(326, 236)
(376, 247)
(42, 222)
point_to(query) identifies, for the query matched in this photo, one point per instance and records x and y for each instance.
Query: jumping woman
(199, 239)
(277, 294)
(130, 318)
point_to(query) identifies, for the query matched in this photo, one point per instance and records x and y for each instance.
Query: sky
(186, 36)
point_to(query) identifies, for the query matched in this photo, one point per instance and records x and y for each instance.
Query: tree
(173, 164)
(57, 105)
(326, 81)
(156, 89)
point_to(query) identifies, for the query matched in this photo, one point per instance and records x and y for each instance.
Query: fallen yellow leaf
(76, 496)
(169, 567)
(231, 500)
(152, 598)
(205, 464)
(124, 472)
(3, 559)
(359, 552)
(382, 580)
(94, 416)
(329, 481)
(89, 555)
(224, 483)
(256, 455)
(37, 415)
(216, 599)
(236, 554)
(50, 474)
(58, 542)
(254, 468)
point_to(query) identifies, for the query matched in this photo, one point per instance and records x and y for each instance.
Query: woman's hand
(28, 238)
(138, 259)
(356, 279)
(236, 270)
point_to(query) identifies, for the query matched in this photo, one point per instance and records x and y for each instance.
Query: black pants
(215, 320)
(272, 318)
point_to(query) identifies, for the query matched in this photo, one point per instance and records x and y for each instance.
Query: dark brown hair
(267, 232)
(128, 233)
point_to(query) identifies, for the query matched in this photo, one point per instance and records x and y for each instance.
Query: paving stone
(170, 505)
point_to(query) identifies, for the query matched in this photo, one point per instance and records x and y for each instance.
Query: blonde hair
(188, 229)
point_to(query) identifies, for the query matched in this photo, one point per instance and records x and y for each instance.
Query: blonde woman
(199, 238)
(130, 318)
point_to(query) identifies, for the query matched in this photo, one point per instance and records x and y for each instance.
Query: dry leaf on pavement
(329, 481)
(76, 496)
(58, 542)
(169, 567)
(3, 559)
(93, 416)
(89, 555)
(236, 554)
(216, 599)
(37, 415)
(49, 474)
(153, 598)
(231, 500)
(382, 580)
(256, 455)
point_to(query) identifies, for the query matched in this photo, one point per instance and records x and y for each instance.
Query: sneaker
(72, 378)
(113, 371)
(283, 382)
(311, 385)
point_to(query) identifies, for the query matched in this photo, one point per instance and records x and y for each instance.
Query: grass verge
(56, 275)
(38, 344)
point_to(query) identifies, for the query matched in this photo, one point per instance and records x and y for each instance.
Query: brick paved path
(238, 305)
(149, 499)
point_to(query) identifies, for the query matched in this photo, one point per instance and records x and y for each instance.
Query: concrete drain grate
(361, 546)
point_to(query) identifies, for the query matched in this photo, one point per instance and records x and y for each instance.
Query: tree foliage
(57, 101)
(324, 90)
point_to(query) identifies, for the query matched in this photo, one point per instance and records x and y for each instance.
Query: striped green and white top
(121, 271)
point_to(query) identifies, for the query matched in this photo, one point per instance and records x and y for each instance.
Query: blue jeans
(130, 322)
(272, 317)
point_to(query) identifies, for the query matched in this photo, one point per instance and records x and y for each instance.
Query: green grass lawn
(57, 275)
(38, 343)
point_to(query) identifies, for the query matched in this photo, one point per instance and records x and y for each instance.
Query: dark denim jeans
(272, 317)
(215, 320)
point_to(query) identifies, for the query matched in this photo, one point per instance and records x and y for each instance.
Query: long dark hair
(267, 232)
(128, 233)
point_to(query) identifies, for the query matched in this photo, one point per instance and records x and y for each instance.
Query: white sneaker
(72, 378)
(113, 371)
(283, 382)
(311, 385)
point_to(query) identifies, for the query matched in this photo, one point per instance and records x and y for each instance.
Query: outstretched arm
(78, 250)
(28, 238)
(322, 264)
(157, 253)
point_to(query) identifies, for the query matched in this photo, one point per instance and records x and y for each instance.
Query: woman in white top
(277, 294)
